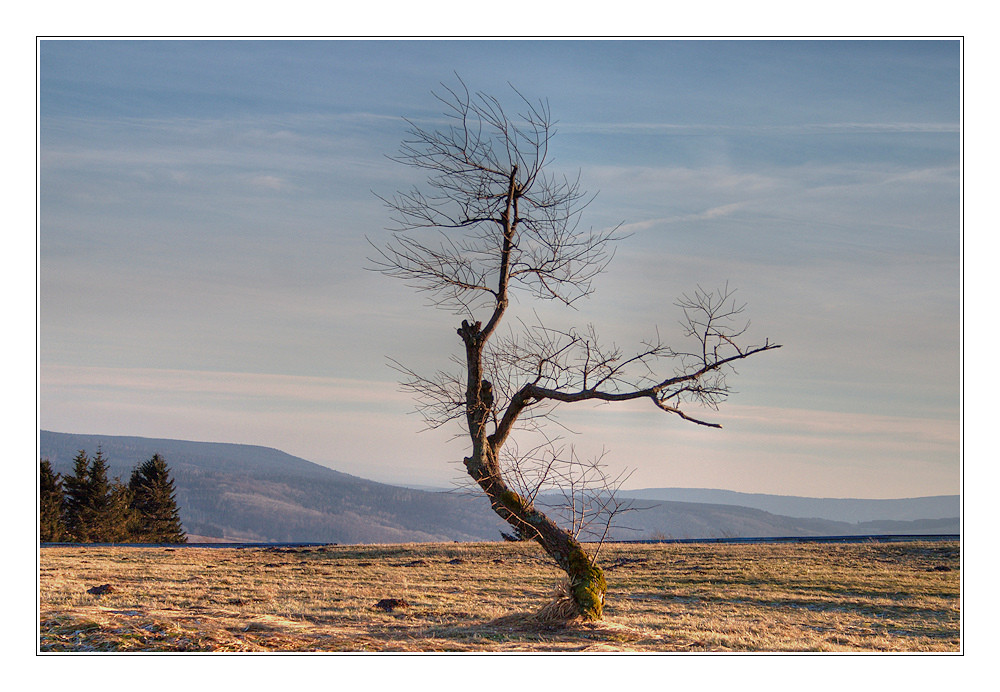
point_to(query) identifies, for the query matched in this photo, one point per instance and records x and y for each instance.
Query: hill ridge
(261, 494)
(835, 509)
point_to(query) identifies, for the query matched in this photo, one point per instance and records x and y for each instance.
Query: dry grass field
(481, 597)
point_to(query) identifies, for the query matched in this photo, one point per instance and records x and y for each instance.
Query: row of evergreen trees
(88, 508)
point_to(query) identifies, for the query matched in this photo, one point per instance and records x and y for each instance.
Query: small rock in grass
(390, 604)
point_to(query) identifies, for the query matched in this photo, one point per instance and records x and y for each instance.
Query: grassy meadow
(899, 597)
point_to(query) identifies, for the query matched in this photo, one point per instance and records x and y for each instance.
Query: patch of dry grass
(488, 597)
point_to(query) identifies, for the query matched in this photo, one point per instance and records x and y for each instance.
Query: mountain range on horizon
(835, 509)
(249, 493)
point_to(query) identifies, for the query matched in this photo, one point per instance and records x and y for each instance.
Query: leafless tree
(491, 220)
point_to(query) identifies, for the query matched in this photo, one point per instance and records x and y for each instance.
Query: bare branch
(440, 398)
(568, 366)
(581, 495)
(489, 220)
(518, 226)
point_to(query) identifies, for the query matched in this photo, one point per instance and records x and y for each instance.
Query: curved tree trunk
(487, 182)
(586, 580)
(587, 584)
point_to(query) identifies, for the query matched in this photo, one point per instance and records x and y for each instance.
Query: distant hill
(835, 509)
(701, 520)
(258, 494)
(250, 493)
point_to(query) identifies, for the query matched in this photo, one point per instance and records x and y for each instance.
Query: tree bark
(586, 580)
(505, 225)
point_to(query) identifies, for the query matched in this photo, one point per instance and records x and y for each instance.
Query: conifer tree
(98, 500)
(97, 510)
(119, 519)
(154, 503)
(77, 499)
(109, 504)
(50, 505)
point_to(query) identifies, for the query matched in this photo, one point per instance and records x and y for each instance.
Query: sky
(206, 210)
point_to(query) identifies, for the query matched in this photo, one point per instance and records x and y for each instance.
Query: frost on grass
(713, 597)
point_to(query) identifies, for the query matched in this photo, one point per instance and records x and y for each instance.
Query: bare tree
(490, 221)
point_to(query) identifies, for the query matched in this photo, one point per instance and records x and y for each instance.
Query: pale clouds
(204, 209)
(653, 128)
(775, 450)
(772, 449)
(270, 182)
(355, 426)
(712, 213)
(210, 149)
(309, 390)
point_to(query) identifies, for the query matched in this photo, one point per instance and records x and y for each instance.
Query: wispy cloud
(353, 425)
(653, 128)
(303, 143)
(775, 449)
(270, 182)
(217, 384)
(713, 213)
(204, 208)
(805, 423)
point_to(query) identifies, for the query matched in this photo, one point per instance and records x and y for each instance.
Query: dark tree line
(87, 507)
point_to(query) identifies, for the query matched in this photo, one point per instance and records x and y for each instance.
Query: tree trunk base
(562, 607)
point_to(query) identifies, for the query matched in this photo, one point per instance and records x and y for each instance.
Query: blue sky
(204, 208)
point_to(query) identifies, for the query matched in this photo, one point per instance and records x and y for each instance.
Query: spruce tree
(78, 499)
(98, 500)
(50, 505)
(119, 517)
(157, 518)
(110, 508)
(97, 510)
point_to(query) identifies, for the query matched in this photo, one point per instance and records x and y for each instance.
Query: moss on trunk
(587, 585)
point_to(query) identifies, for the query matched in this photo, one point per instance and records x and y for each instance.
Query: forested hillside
(258, 494)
